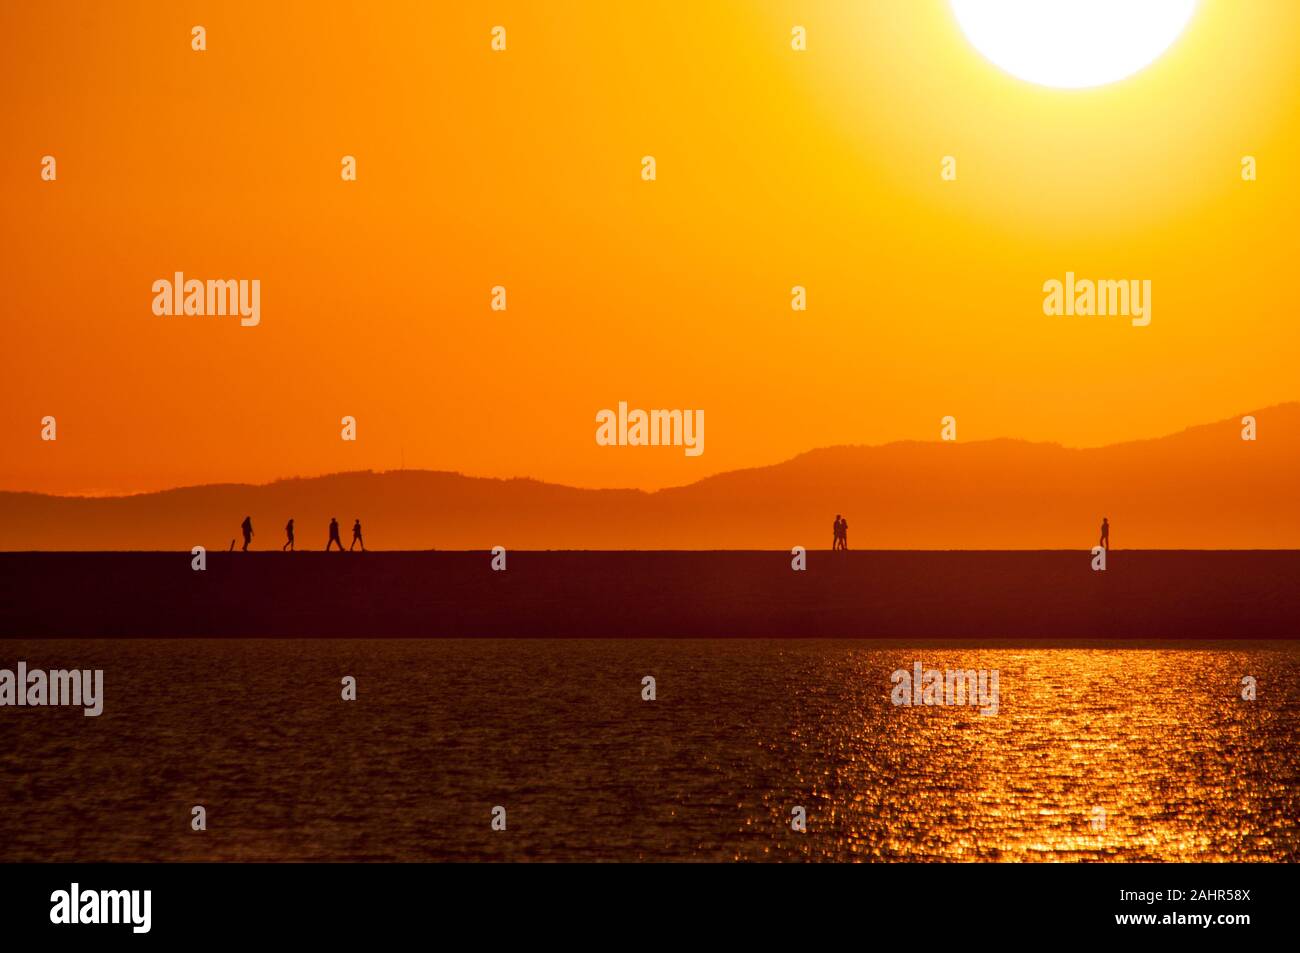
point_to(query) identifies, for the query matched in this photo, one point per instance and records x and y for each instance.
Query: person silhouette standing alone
(334, 535)
(1105, 534)
(288, 531)
(247, 527)
(356, 537)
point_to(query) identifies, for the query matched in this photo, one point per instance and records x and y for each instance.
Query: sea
(653, 750)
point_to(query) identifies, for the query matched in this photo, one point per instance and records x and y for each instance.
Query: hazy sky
(522, 168)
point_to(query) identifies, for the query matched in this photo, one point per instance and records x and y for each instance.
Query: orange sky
(522, 168)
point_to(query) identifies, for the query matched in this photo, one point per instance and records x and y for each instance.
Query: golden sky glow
(775, 168)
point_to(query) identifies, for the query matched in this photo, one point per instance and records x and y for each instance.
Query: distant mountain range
(1203, 488)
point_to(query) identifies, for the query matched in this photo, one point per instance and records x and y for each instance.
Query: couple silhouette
(334, 536)
(841, 539)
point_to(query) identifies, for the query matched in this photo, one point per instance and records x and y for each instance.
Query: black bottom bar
(925, 904)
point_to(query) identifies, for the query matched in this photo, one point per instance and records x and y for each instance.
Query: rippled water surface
(741, 732)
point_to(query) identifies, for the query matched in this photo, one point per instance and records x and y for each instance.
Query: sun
(1072, 44)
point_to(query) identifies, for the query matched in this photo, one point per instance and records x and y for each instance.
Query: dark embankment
(922, 595)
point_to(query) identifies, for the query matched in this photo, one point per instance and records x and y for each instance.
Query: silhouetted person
(247, 527)
(844, 534)
(835, 541)
(288, 531)
(356, 537)
(1105, 534)
(334, 534)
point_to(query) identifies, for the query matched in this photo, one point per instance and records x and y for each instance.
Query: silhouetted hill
(1203, 488)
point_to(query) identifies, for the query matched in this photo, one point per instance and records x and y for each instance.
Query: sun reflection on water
(1095, 754)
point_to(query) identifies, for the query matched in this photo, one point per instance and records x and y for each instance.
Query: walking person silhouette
(844, 534)
(356, 537)
(839, 523)
(1105, 534)
(247, 527)
(334, 535)
(288, 531)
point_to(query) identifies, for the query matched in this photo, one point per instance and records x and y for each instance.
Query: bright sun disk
(1072, 44)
